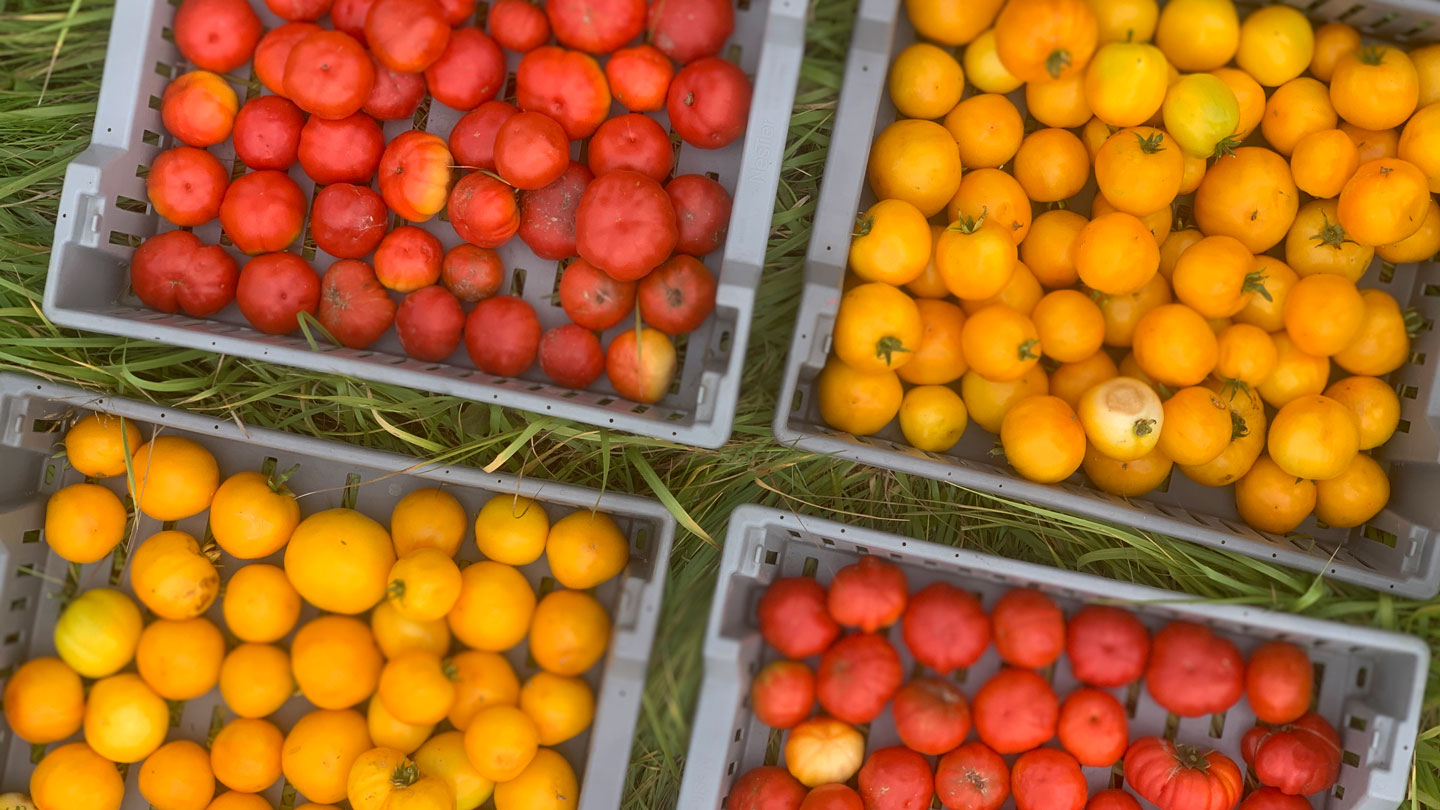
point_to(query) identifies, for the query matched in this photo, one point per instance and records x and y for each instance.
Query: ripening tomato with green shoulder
(1202, 115)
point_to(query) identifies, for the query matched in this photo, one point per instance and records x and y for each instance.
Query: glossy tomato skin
(187, 185)
(274, 50)
(1046, 779)
(1093, 727)
(1107, 646)
(945, 628)
(267, 133)
(1300, 758)
(348, 221)
(868, 594)
(641, 364)
(470, 71)
(176, 272)
(302, 10)
(407, 35)
(415, 175)
(408, 258)
(768, 787)
(593, 299)
(625, 225)
(702, 212)
(596, 26)
(502, 335)
(686, 30)
(857, 677)
(633, 141)
(931, 715)
(1269, 798)
(472, 139)
(216, 35)
(571, 355)
(972, 777)
(782, 693)
(345, 150)
(274, 289)
(547, 214)
(793, 617)
(1278, 680)
(896, 778)
(349, 16)
(199, 108)
(472, 272)
(518, 25)
(263, 212)
(329, 74)
(483, 210)
(832, 796)
(1014, 711)
(531, 151)
(1193, 672)
(709, 103)
(353, 305)
(1112, 799)
(678, 295)
(1029, 629)
(640, 77)
(395, 96)
(429, 322)
(1181, 777)
(565, 85)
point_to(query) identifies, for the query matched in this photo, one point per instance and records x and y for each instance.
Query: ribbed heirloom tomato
(415, 175)
(1181, 776)
(625, 224)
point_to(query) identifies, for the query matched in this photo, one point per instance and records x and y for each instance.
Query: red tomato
(857, 676)
(267, 133)
(415, 175)
(1046, 779)
(349, 16)
(896, 778)
(625, 225)
(395, 96)
(406, 35)
(639, 77)
(1269, 798)
(176, 272)
(1278, 682)
(186, 185)
(868, 594)
(571, 356)
(1300, 758)
(408, 258)
(594, 300)
(1181, 777)
(634, 142)
(1093, 727)
(199, 108)
(767, 787)
(709, 103)
(1112, 799)
(328, 74)
(518, 25)
(469, 72)
(931, 715)
(502, 335)
(1029, 628)
(429, 323)
(353, 305)
(678, 295)
(483, 210)
(274, 51)
(531, 151)
(832, 797)
(472, 272)
(702, 211)
(1193, 672)
(1107, 646)
(263, 212)
(274, 289)
(792, 613)
(303, 10)
(346, 150)
(686, 30)
(972, 777)
(597, 26)
(216, 35)
(782, 692)
(565, 85)
(547, 215)
(472, 139)
(641, 364)
(1015, 711)
(458, 12)
(945, 628)
(348, 221)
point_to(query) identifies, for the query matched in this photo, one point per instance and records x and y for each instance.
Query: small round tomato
(677, 296)
(634, 142)
(1139, 170)
(469, 72)
(702, 213)
(1214, 277)
(531, 150)
(996, 196)
(216, 35)
(639, 77)
(641, 364)
(408, 258)
(1418, 246)
(565, 85)
(348, 221)
(1276, 45)
(1354, 496)
(349, 16)
(1051, 165)
(823, 750)
(1278, 681)
(1028, 628)
(415, 175)
(1107, 646)
(1048, 249)
(518, 25)
(307, 10)
(1419, 141)
(483, 210)
(1296, 373)
(274, 51)
(858, 402)
(1313, 436)
(1125, 83)
(1316, 243)
(1198, 34)
(329, 74)
(263, 212)
(1383, 202)
(1201, 113)
(345, 150)
(896, 778)
(794, 619)
(1322, 161)
(1382, 343)
(1015, 710)
(782, 693)
(596, 26)
(931, 715)
(199, 108)
(1375, 87)
(625, 225)
(972, 777)
(1296, 109)
(472, 272)
(686, 30)
(1039, 42)
(274, 289)
(1175, 346)
(1046, 779)
(267, 133)
(999, 343)
(1323, 314)
(1375, 404)
(547, 215)
(1332, 41)
(353, 305)
(768, 787)
(1193, 672)
(395, 96)
(571, 355)
(429, 322)
(186, 185)
(1092, 727)
(709, 103)
(592, 299)
(502, 335)
(407, 35)
(472, 139)
(175, 271)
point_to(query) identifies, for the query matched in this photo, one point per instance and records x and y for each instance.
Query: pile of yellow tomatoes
(409, 700)
(1206, 313)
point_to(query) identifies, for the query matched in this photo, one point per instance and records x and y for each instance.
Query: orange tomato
(916, 161)
(1247, 354)
(1215, 275)
(177, 777)
(1045, 40)
(1268, 311)
(125, 721)
(74, 777)
(987, 401)
(173, 478)
(252, 515)
(1354, 496)
(173, 576)
(1272, 500)
(1374, 87)
(1276, 44)
(100, 445)
(1249, 95)
(1296, 373)
(1116, 254)
(1043, 439)
(255, 680)
(501, 741)
(1198, 34)
(561, 707)
(481, 679)
(245, 755)
(995, 196)
(877, 327)
(975, 257)
(892, 243)
(1317, 244)
(1125, 83)
(1138, 170)
(1420, 143)
(1125, 20)
(388, 731)
(260, 604)
(858, 402)
(951, 24)
(1314, 437)
(548, 775)
(1174, 346)
(1384, 202)
(1382, 343)
(939, 359)
(1296, 109)
(1000, 344)
(1123, 312)
(84, 522)
(1332, 41)
(1049, 248)
(1418, 246)
(497, 603)
(1323, 161)
(569, 632)
(319, 751)
(1197, 426)
(932, 418)
(44, 701)
(1093, 135)
(336, 661)
(1192, 172)
(444, 756)
(929, 284)
(424, 584)
(416, 688)
(1051, 164)
(1157, 222)
(1129, 367)
(180, 658)
(339, 560)
(394, 633)
(1323, 314)
(1247, 440)
(925, 81)
(1127, 479)
(1058, 103)
(1174, 245)
(1372, 144)
(371, 780)
(1070, 325)
(1070, 380)
(1021, 294)
(987, 129)
(1250, 196)
(427, 518)
(1375, 405)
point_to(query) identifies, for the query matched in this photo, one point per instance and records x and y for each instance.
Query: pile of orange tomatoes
(1206, 313)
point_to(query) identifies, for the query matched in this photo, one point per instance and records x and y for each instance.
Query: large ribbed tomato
(1182, 777)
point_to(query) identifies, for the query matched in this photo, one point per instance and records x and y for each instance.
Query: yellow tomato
(877, 327)
(1201, 114)
(586, 548)
(174, 478)
(1296, 109)
(561, 707)
(84, 522)
(1427, 69)
(1420, 143)
(74, 777)
(1174, 346)
(1138, 170)
(1125, 20)
(940, 358)
(1191, 173)
(1127, 479)
(1296, 373)
(932, 418)
(339, 560)
(976, 258)
(987, 401)
(1000, 343)
(1247, 354)
(1198, 34)
(1249, 96)
(416, 689)
(1070, 325)
(1354, 496)
(389, 731)
(925, 81)
(1249, 196)
(547, 783)
(1317, 244)
(1021, 294)
(260, 604)
(1384, 202)
(1122, 418)
(44, 701)
(395, 633)
(892, 243)
(444, 756)
(100, 444)
(1375, 405)
(255, 680)
(1247, 440)
(1332, 41)
(823, 750)
(1197, 426)
(172, 575)
(1418, 246)
(125, 721)
(1043, 439)
(1382, 343)
(97, 633)
(319, 751)
(424, 585)
(245, 755)
(995, 196)
(495, 606)
(1268, 311)
(858, 402)
(427, 518)
(950, 23)
(1314, 437)
(371, 778)
(1048, 250)
(1058, 103)
(1375, 87)
(984, 68)
(252, 515)
(1272, 500)
(1276, 44)
(569, 632)
(1051, 165)
(1070, 380)
(915, 161)
(929, 284)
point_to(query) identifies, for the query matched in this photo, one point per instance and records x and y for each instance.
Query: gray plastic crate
(104, 215)
(1398, 551)
(1369, 683)
(33, 418)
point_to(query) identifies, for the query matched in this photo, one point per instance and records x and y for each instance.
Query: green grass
(58, 46)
